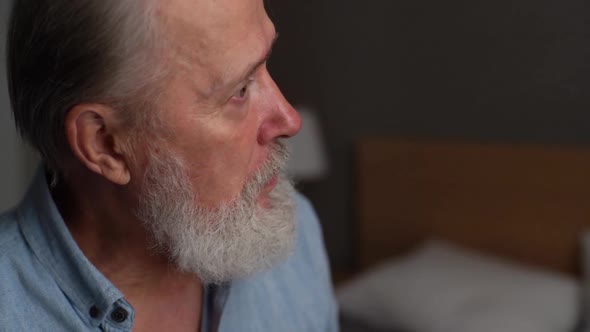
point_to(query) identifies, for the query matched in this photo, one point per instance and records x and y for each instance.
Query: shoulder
(14, 271)
(11, 239)
(27, 289)
(310, 252)
(304, 206)
(310, 248)
(17, 262)
(307, 220)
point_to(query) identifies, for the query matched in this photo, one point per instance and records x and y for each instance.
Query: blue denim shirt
(47, 284)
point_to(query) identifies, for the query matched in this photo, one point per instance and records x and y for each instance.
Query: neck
(100, 219)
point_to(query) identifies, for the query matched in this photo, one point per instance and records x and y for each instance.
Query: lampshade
(308, 153)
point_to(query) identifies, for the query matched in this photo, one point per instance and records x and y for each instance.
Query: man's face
(222, 110)
(213, 195)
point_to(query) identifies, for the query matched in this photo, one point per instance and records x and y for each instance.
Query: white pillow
(585, 241)
(443, 288)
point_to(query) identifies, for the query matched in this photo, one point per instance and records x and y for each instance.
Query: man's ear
(93, 131)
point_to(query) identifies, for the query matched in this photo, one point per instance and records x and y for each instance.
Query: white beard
(232, 241)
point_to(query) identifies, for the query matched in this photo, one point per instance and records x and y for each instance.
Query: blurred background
(513, 71)
(17, 162)
(482, 107)
(482, 70)
(502, 70)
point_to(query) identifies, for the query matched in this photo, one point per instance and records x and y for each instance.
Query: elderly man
(161, 205)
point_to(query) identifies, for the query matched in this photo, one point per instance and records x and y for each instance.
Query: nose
(283, 120)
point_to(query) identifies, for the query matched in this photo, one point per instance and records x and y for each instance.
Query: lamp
(308, 152)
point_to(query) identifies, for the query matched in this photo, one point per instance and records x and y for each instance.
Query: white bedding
(443, 288)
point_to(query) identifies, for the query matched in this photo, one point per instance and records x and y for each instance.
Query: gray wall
(485, 70)
(16, 162)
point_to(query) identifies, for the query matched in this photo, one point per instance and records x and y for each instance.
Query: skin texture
(222, 119)
(218, 113)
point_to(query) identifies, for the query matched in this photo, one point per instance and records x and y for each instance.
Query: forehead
(215, 37)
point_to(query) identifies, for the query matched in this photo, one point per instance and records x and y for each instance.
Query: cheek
(222, 177)
(237, 155)
(222, 162)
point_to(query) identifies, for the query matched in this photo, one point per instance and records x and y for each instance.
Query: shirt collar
(49, 238)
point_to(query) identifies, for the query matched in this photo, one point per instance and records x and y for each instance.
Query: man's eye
(243, 92)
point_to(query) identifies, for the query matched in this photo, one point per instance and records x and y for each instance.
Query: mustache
(273, 166)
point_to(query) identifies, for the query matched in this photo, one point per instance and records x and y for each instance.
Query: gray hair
(63, 52)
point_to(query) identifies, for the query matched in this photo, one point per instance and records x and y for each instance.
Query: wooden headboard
(525, 203)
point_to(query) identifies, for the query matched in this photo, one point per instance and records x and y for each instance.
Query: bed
(522, 204)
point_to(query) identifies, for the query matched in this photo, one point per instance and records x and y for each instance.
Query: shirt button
(94, 312)
(119, 315)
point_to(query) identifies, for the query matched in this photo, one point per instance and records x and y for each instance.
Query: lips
(264, 196)
(272, 183)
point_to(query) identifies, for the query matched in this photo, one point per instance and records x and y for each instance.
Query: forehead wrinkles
(187, 45)
(200, 32)
(201, 36)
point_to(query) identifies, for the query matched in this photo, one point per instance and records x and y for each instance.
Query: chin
(242, 240)
(250, 233)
